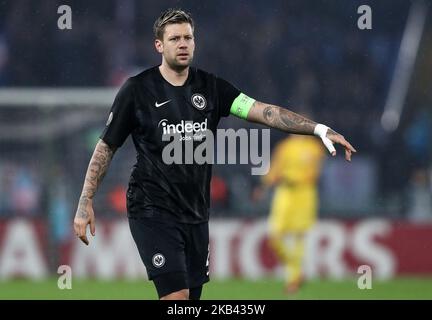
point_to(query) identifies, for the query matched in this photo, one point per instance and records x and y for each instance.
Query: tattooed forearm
(96, 170)
(283, 119)
(280, 118)
(82, 205)
(286, 120)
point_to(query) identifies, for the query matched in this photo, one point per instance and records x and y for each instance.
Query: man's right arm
(96, 171)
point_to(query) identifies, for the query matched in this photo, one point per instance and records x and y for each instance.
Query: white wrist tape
(320, 130)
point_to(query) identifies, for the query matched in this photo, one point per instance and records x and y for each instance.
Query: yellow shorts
(294, 209)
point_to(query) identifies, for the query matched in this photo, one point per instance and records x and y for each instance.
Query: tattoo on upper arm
(286, 120)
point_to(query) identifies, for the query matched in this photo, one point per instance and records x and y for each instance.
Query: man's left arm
(291, 122)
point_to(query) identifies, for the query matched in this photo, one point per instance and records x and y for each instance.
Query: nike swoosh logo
(157, 105)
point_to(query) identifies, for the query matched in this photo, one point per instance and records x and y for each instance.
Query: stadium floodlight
(404, 66)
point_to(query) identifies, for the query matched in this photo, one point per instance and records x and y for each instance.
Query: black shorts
(176, 255)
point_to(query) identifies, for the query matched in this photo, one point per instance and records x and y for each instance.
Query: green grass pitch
(400, 288)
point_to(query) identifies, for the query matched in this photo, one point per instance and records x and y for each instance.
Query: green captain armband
(241, 106)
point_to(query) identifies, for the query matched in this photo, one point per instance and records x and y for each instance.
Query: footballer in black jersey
(168, 203)
(145, 106)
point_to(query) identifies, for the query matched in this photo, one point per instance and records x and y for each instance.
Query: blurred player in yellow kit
(294, 172)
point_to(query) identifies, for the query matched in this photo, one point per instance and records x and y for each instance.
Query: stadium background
(306, 55)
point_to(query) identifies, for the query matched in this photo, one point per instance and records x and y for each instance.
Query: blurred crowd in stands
(308, 56)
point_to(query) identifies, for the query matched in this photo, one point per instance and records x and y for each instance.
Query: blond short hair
(171, 16)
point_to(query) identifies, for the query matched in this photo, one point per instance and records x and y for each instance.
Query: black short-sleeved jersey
(146, 106)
